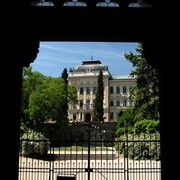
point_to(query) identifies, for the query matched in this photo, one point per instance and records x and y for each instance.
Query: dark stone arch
(151, 31)
(28, 52)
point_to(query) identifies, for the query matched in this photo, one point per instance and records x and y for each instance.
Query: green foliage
(31, 80)
(125, 121)
(125, 124)
(98, 107)
(123, 130)
(34, 144)
(146, 90)
(65, 76)
(44, 99)
(23, 128)
(46, 102)
(146, 126)
(72, 94)
(139, 147)
(65, 103)
(143, 117)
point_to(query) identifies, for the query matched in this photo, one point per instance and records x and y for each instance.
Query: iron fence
(96, 156)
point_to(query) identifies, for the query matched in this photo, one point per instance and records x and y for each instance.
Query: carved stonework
(95, 3)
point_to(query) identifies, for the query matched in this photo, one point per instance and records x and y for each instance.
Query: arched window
(107, 3)
(42, 3)
(140, 4)
(74, 3)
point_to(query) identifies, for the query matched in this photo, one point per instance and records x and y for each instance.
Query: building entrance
(88, 117)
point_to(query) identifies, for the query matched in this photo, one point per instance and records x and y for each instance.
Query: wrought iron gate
(97, 155)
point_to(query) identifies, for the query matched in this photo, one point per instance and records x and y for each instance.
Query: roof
(90, 66)
(122, 77)
(91, 62)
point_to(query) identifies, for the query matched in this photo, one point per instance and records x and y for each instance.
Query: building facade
(116, 92)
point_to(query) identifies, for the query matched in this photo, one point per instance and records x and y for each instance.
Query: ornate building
(116, 92)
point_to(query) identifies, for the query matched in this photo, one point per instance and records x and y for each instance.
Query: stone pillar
(157, 58)
(18, 56)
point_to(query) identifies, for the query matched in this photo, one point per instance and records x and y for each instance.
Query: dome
(90, 66)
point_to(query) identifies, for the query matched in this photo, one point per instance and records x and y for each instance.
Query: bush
(139, 147)
(34, 144)
(147, 126)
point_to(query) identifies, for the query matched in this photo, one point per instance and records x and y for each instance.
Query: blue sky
(53, 57)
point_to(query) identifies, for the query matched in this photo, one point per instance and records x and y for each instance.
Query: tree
(98, 106)
(31, 80)
(125, 121)
(146, 90)
(145, 112)
(65, 105)
(45, 104)
(43, 99)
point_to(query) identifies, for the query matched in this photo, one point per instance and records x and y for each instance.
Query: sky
(53, 57)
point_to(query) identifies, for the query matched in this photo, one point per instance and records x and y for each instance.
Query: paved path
(103, 169)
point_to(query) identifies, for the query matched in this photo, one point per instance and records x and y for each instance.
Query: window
(87, 103)
(124, 102)
(94, 90)
(74, 106)
(111, 102)
(81, 90)
(111, 90)
(117, 89)
(124, 90)
(74, 3)
(88, 90)
(118, 102)
(81, 104)
(131, 102)
(42, 3)
(107, 3)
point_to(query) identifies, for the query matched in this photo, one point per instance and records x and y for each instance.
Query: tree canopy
(43, 98)
(65, 103)
(146, 90)
(145, 111)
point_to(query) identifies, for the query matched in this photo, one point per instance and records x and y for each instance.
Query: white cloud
(53, 57)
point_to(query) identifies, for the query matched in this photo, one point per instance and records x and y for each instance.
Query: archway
(88, 117)
(46, 31)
